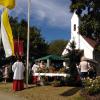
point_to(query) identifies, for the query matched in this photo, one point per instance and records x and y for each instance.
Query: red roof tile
(90, 41)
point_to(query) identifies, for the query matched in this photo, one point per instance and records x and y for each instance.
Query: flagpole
(28, 32)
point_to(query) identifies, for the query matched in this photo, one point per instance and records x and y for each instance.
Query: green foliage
(56, 47)
(72, 45)
(74, 58)
(93, 30)
(90, 20)
(91, 87)
(38, 46)
(98, 48)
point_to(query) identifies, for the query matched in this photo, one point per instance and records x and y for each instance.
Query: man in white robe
(18, 69)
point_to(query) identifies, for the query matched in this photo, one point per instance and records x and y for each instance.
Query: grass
(44, 92)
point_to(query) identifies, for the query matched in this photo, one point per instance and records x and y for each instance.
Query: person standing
(35, 79)
(42, 64)
(18, 77)
(84, 67)
(5, 73)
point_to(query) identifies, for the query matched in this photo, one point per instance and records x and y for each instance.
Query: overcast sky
(52, 17)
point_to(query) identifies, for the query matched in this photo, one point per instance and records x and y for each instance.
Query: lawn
(44, 92)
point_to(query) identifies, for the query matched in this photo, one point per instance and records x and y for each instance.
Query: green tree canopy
(38, 46)
(57, 46)
(89, 13)
(73, 58)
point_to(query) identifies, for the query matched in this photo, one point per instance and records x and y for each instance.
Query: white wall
(74, 20)
(74, 33)
(88, 49)
(67, 47)
(81, 43)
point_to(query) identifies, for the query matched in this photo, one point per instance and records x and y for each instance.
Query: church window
(74, 27)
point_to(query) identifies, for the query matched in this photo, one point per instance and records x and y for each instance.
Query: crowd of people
(18, 70)
(84, 68)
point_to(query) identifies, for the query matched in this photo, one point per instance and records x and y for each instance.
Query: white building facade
(80, 41)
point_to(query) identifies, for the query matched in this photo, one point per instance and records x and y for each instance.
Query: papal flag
(6, 34)
(10, 4)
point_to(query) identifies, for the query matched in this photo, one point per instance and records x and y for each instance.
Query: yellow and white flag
(6, 34)
(10, 4)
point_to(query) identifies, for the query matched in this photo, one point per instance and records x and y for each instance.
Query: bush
(91, 87)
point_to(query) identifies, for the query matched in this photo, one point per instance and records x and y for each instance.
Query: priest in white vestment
(18, 77)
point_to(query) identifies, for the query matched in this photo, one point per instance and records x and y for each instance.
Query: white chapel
(82, 42)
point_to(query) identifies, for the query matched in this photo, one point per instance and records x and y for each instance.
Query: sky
(52, 17)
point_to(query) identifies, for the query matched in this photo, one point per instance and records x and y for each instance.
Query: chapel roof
(90, 41)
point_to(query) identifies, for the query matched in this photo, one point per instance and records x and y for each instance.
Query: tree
(38, 46)
(73, 58)
(57, 46)
(90, 19)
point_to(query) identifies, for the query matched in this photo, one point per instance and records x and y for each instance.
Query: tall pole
(28, 36)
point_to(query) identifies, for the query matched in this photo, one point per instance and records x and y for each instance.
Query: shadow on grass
(70, 92)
